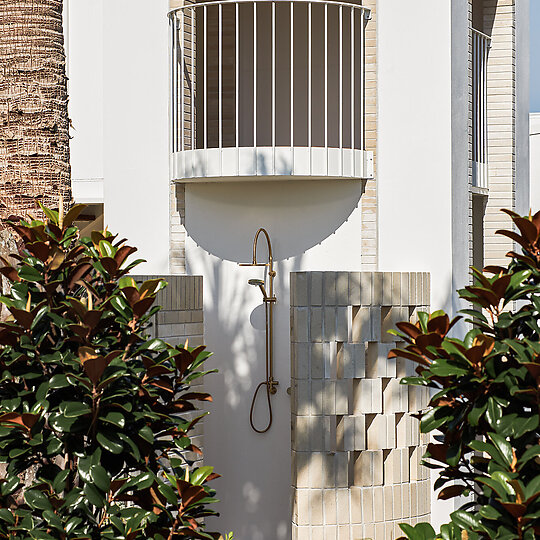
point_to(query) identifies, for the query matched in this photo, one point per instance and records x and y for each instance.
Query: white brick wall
(181, 320)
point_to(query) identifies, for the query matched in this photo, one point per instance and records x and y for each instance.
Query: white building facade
(376, 143)
(534, 127)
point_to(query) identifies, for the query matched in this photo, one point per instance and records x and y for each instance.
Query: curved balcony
(266, 89)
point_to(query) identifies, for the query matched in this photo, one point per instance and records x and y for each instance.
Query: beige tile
(378, 504)
(330, 315)
(329, 288)
(329, 470)
(343, 513)
(317, 361)
(388, 503)
(331, 532)
(316, 288)
(343, 392)
(330, 509)
(342, 288)
(316, 479)
(301, 468)
(367, 505)
(356, 504)
(316, 506)
(316, 324)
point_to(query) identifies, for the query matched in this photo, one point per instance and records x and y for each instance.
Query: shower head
(259, 283)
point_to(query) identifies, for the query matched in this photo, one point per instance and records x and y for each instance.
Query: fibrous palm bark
(34, 124)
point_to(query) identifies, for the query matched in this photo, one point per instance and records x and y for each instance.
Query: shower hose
(264, 383)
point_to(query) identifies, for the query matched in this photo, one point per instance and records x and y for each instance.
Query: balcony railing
(481, 43)
(268, 88)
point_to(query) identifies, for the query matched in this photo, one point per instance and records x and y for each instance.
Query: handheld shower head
(259, 283)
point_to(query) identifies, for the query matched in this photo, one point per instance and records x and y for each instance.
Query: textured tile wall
(356, 447)
(499, 23)
(181, 320)
(369, 198)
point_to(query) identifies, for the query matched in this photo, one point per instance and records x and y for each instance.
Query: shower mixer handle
(271, 384)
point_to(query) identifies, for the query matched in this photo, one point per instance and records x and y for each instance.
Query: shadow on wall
(222, 219)
(255, 500)
(300, 214)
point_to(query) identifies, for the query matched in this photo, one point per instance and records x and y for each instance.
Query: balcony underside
(270, 163)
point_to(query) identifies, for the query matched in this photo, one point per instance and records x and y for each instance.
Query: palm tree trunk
(34, 124)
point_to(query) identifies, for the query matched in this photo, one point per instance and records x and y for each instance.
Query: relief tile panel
(356, 445)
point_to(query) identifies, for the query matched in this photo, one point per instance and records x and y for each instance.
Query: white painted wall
(522, 45)
(118, 69)
(314, 225)
(415, 149)
(535, 161)
(84, 48)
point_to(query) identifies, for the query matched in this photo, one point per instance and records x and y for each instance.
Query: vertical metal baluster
(177, 85)
(481, 105)
(363, 21)
(220, 75)
(292, 73)
(237, 70)
(477, 98)
(181, 78)
(486, 140)
(353, 76)
(273, 77)
(309, 73)
(255, 74)
(205, 29)
(341, 80)
(172, 85)
(480, 127)
(326, 76)
(475, 92)
(474, 110)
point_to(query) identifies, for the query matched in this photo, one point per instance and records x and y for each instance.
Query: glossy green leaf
(37, 500)
(467, 520)
(434, 418)
(72, 409)
(93, 495)
(110, 442)
(100, 477)
(115, 418)
(504, 447)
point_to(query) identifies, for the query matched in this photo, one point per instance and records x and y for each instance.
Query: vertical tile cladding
(356, 446)
(369, 198)
(499, 23)
(177, 233)
(181, 320)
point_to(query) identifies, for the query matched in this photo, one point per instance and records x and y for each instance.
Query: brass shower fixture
(269, 300)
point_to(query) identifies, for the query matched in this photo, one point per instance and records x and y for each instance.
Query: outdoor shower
(269, 300)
